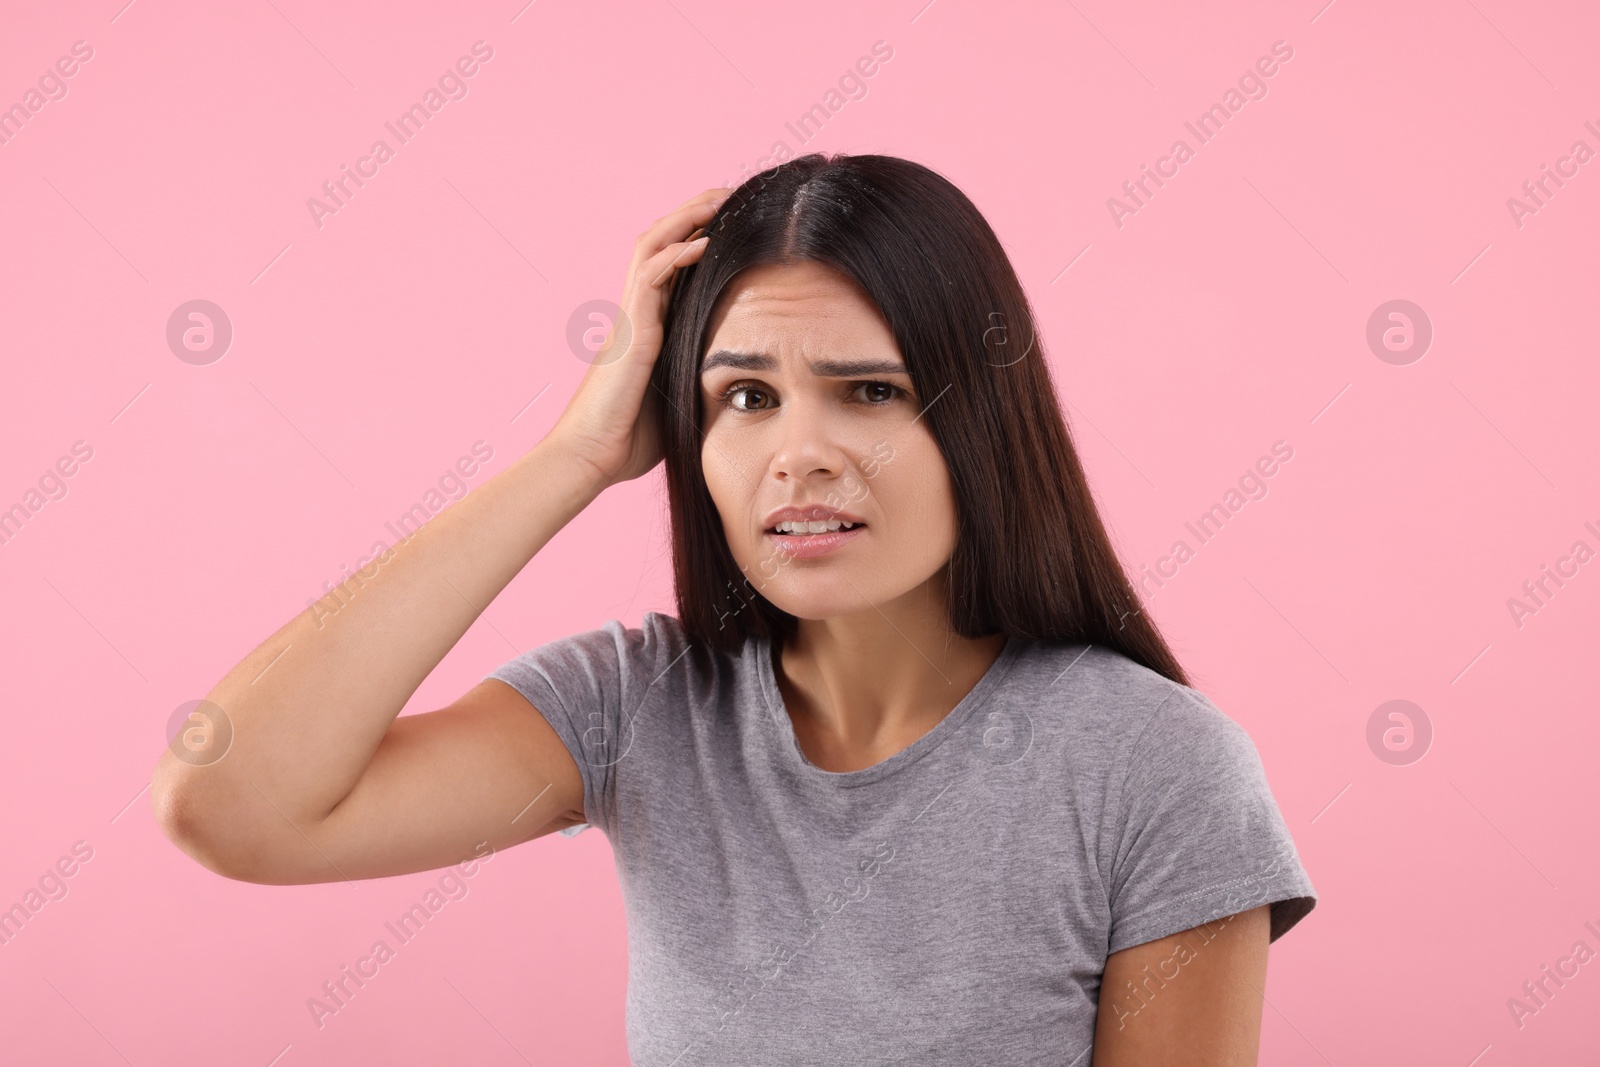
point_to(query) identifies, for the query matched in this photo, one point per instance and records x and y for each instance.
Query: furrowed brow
(824, 368)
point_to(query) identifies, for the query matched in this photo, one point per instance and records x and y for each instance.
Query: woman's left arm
(1192, 999)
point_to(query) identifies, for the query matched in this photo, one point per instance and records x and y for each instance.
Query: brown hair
(1032, 558)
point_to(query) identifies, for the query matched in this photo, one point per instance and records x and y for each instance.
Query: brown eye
(739, 390)
(890, 392)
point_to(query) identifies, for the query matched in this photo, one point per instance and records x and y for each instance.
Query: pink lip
(810, 546)
(811, 513)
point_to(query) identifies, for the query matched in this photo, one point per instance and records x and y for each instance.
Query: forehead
(800, 308)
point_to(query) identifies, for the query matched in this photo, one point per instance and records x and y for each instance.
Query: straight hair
(1032, 558)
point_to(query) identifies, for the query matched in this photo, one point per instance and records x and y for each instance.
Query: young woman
(908, 778)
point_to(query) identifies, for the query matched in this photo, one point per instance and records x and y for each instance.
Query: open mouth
(807, 540)
(812, 529)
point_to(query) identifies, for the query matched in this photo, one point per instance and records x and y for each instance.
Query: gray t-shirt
(953, 904)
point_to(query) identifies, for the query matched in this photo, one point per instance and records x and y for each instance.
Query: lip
(810, 546)
(809, 513)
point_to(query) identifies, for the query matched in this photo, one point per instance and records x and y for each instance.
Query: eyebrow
(823, 368)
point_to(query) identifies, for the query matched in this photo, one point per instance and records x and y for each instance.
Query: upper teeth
(827, 526)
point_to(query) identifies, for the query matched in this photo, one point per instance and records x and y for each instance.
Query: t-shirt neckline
(976, 697)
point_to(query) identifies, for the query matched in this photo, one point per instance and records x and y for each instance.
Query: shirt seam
(1288, 887)
(1175, 902)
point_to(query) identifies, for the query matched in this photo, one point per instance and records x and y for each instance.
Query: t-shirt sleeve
(590, 687)
(1200, 835)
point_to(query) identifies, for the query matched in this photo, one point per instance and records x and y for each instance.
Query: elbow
(216, 834)
(177, 813)
(187, 820)
(171, 805)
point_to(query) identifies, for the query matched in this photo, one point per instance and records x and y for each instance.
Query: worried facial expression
(808, 404)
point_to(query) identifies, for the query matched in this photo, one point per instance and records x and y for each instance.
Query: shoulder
(615, 656)
(658, 656)
(1098, 691)
(1120, 715)
(1089, 672)
(657, 634)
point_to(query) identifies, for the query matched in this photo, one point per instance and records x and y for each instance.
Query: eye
(893, 391)
(887, 392)
(735, 389)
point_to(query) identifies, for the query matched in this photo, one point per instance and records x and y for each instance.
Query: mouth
(803, 543)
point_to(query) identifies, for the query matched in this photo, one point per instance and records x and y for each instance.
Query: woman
(909, 778)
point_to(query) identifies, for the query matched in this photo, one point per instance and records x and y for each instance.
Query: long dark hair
(1031, 557)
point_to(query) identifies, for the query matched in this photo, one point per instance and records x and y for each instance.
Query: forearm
(309, 706)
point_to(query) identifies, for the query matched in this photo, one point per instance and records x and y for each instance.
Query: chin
(815, 612)
(817, 590)
(830, 598)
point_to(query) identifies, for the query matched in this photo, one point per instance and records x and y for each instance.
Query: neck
(860, 687)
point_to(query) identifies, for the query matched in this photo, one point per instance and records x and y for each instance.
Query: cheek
(728, 484)
(913, 490)
(931, 511)
(728, 457)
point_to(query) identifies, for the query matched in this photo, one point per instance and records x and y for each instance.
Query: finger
(645, 298)
(672, 282)
(676, 225)
(664, 265)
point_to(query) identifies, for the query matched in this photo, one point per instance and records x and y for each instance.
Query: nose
(809, 445)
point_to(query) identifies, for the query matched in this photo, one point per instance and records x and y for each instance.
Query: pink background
(369, 354)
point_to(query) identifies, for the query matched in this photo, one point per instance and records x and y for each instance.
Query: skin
(874, 665)
(1195, 1006)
